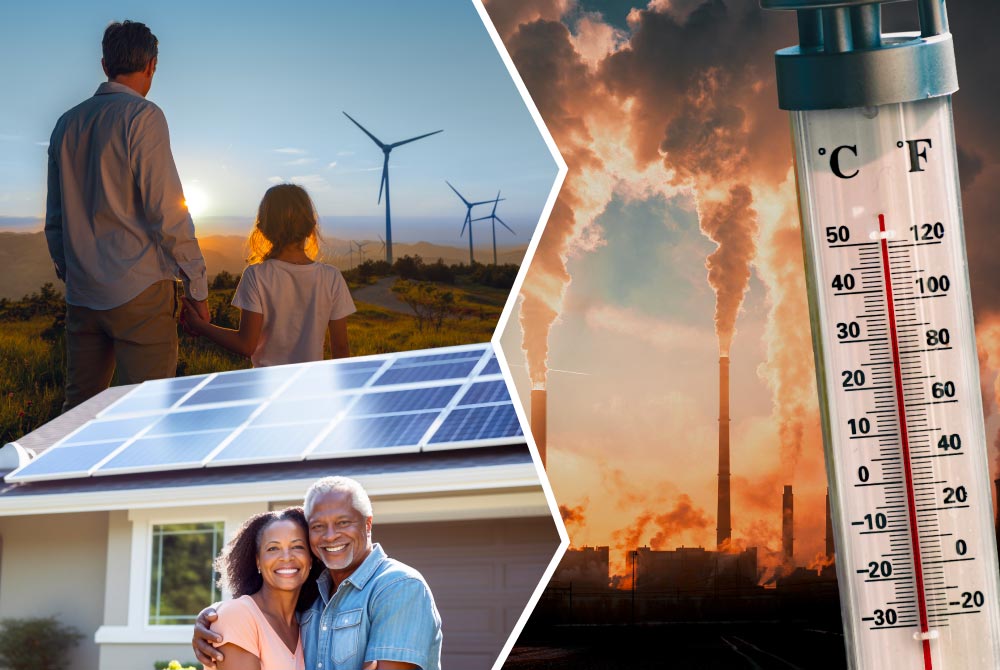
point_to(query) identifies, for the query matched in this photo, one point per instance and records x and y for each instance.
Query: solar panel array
(395, 403)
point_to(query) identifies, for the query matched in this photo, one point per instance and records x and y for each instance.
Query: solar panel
(391, 403)
(492, 367)
(300, 410)
(269, 444)
(370, 435)
(407, 374)
(324, 382)
(405, 401)
(232, 393)
(144, 403)
(202, 419)
(103, 431)
(65, 462)
(478, 423)
(485, 392)
(164, 450)
(406, 361)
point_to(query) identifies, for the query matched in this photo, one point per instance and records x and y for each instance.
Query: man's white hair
(359, 497)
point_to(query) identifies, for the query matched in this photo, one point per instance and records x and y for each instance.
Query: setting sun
(195, 199)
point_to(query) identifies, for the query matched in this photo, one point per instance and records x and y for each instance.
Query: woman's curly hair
(285, 216)
(237, 564)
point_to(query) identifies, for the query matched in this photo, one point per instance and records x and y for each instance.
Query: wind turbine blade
(504, 224)
(467, 203)
(365, 130)
(483, 218)
(414, 139)
(385, 177)
(465, 223)
(495, 203)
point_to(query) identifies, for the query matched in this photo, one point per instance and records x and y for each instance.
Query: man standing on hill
(117, 226)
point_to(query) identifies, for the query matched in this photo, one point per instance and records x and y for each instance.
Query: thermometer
(893, 335)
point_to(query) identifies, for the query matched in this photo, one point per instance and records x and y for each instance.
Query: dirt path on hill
(380, 294)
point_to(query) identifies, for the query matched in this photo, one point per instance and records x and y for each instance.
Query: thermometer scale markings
(899, 381)
(907, 470)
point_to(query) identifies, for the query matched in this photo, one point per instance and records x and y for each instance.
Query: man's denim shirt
(382, 612)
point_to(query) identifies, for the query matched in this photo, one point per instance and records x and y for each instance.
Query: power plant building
(694, 570)
(587, 567)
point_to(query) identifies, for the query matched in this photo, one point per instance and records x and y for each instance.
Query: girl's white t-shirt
(297, 303)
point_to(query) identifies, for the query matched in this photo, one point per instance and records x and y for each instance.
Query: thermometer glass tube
(893, 335)
(899, 385)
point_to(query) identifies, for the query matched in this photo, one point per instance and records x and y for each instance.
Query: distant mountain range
(25, 264)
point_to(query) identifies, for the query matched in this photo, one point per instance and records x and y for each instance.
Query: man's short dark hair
(128, 47)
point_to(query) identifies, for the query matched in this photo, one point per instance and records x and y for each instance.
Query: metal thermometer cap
(844, 60)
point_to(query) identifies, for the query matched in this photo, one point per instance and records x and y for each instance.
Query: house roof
(504, 469)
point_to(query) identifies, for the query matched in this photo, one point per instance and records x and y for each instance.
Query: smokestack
(724, 531)
(538, 419)
(829, 526)
(787, 537)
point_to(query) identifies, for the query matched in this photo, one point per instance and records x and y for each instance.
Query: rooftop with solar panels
(402, 413)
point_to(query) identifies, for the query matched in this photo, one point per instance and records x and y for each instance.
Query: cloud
(291, 151)
(332, 165)
(595, 40)
(276, 180)
(313, 182)
(301, 161)
(345, 153)
(660, 333)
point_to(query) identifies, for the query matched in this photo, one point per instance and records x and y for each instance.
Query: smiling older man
(373, 612)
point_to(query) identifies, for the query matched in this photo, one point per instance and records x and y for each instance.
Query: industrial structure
(724, 529)
(787, 526)
(538, 420)
(586, 567)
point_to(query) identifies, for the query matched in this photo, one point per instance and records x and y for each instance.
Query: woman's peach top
(243, 624)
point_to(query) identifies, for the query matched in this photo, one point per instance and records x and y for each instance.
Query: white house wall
(116, 593)
(55, 565)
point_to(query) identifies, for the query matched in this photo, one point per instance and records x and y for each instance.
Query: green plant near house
(36, 644)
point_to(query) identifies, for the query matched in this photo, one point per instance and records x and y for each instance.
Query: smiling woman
(265, 566)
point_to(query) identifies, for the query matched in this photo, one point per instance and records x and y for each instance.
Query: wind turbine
(494, 218)
(468, 216)
(382, 247)
(361, 251)
(384, 184)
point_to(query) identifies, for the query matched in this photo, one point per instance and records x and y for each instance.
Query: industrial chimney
(787, 537)
(829, 526)
(538, 419)
(724, 531)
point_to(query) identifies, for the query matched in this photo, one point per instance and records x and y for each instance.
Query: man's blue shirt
(382, 612)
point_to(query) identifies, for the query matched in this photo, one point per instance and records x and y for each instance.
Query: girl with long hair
(288, 301)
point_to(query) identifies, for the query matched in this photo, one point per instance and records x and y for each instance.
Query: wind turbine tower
(494, 218)
(468, 216)
(361, 251)
(384, 184)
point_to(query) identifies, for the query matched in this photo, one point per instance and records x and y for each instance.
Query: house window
(183, 579)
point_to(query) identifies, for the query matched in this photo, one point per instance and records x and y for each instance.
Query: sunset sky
(253, 93)
(667, 117)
